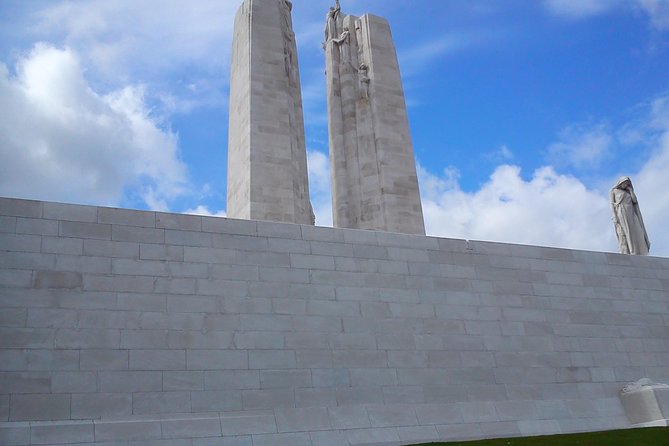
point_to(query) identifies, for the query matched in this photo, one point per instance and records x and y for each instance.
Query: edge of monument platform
(86, 213)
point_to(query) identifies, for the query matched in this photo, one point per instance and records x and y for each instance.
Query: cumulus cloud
(319, 186)
(205, 211)
(182, 49)
(581, 146)
(60, 140)
(549, 209)
(164, 33)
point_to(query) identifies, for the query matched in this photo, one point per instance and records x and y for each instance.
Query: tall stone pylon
(372, 165)
(267, 158)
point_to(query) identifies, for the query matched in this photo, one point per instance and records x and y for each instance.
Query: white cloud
(181, 49)
(157, 33)
(63, 141)
(549, 209)
(204, 210)
(319, 186)
(581, 147)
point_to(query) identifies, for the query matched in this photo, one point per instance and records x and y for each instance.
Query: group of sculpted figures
(331, 34)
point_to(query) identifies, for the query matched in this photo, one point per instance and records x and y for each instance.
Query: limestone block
(216, 401)
(130, 381)
(277, 379)
(104, 359)
(228, 226)
(85, 230)
(69, 212)
(267, 399)
(161, 402)
(15, 433)
(57, 280)
(132, 284)
(55, 245)
(271, 359)
(232, 379)
(73, 382)
(13, 317)
(295, 439)
(373, 436)
(61, 432)
(87, 338)
(20, 242)
(101, 405)
(310, 419)
(39, 407)
(329, 438)
(217, 359)
(127, 430)
(137, 234)
(27, 260)
(127, 217)
(179, 221)
(21, 208)
(289, 245)
(251, 423)
(83, 264)
(51, 318)
(157, 360)
(35, 226)
(191, 428)
(188, 238)
(26, 338)
(389, 415)
(4, 408)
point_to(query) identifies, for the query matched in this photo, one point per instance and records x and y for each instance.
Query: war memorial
(121, 327)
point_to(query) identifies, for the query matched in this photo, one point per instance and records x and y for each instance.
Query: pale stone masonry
(267, 158)
(373, 170)
(142, 328)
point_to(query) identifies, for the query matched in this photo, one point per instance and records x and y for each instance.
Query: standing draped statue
(331, 23)
(631, 232)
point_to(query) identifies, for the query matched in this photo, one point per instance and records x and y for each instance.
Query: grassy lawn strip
(655, 436)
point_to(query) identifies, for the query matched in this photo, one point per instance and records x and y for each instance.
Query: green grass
(656, 436)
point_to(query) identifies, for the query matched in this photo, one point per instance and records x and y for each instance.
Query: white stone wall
(373, 170)
(132, 328)
(267, 158)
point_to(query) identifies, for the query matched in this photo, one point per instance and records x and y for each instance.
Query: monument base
(122, 327)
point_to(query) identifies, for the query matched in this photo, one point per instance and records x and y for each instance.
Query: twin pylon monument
(372, 165)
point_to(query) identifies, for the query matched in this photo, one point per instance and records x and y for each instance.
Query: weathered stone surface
(267, 159)
(373, 170)
(407, 339)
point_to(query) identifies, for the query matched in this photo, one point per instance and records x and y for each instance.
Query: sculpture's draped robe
(632, 236)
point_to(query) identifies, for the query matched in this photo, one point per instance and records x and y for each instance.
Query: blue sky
(523, 112)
